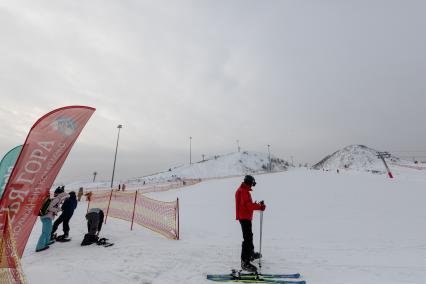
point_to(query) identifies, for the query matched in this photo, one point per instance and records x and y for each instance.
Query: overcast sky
(306, 77)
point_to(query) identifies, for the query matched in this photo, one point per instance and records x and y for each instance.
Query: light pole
(94, 176)
(269, 153)
(115, 156)
(238, 145)
(190, 150)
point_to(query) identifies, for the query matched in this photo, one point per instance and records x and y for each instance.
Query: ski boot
(247, 266)
(53, 237)
(45, 248)
(63, 238)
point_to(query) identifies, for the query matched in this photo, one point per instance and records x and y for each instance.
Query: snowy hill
(233, 164)
(354, 157)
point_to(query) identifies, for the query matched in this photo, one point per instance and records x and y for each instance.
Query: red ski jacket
(244, 204)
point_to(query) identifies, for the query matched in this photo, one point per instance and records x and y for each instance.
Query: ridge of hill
(355, 157)
(217, 166)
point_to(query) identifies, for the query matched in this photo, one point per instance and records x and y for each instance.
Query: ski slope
(352, 227)
(356, 157)
(226, 165)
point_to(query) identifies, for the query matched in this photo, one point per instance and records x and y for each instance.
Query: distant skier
(80, 194)
(244, 209)
(95, 218)
(70, 204)
(88, 196)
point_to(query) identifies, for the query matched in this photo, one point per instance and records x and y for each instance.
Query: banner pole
(109, 203)
(134, 209)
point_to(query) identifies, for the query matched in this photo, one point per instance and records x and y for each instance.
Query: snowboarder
(88, 196)
(95, 218)
(68, 207)
(44, 240)
(244, 214)
(80, 194)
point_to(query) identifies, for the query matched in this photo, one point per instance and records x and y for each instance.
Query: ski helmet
(248, 179)
(59, 190)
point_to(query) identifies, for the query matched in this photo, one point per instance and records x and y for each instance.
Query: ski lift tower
(382, 156)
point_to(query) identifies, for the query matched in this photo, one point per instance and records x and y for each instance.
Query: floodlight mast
(115, 156)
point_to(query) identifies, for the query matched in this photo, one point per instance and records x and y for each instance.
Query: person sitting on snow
(95, 218)
(244, 209)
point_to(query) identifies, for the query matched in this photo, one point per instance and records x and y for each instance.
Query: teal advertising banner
(6, 167)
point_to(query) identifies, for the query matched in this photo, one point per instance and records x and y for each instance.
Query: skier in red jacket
(244, 208)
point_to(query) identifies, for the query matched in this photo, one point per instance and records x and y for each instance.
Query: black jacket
(70, 204)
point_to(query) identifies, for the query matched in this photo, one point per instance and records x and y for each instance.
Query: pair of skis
(238, 276)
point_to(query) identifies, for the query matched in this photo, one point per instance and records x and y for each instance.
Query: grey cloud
(307, 77)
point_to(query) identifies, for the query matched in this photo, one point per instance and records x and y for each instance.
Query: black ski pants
(65, 220)
(92, 222)
(247, 247)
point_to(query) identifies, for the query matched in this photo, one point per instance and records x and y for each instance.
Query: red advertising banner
(42, 156)
(10, 264)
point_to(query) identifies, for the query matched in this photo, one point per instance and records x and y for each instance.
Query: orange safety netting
(99, 199)
(10, 265)
(168, 185)
(122, 204)
(161, 217)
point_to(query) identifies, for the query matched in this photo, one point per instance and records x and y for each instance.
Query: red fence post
(134, 208)
(177, 215)
(108, 205)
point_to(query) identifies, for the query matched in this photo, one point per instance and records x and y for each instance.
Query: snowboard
(104, 242)
(62, 239)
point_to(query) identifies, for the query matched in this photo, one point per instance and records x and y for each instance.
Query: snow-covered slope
(239, 163)
(233, 164)
(354, 157)
(348, 228)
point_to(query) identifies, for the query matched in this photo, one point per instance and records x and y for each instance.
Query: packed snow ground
(351, 227)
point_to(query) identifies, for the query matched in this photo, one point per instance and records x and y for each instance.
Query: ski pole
(260, 240)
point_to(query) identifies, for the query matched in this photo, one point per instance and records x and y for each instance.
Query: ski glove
(262, 207)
